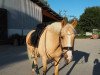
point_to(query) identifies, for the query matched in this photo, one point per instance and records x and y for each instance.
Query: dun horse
(56, 40)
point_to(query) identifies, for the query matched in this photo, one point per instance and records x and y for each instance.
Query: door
(3, 24)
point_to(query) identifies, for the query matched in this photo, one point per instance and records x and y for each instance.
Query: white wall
(18, 31)
(22, 14)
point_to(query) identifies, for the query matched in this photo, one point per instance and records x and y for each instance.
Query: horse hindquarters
(31, 50)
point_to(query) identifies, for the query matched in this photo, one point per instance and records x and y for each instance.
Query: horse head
(68, 33)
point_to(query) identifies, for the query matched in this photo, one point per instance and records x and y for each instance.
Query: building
(21, 16)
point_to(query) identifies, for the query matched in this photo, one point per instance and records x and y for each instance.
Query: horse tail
(30, 48)
(28, 37)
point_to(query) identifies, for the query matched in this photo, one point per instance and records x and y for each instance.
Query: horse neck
(52, 34)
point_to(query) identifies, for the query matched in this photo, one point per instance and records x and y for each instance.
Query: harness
(65, 49)
(63, 53)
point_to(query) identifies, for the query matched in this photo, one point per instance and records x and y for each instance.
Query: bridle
(70, 48)
(67, 48)
(60, 45)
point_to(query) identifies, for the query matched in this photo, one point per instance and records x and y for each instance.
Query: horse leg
(33, 58)
(44, 62)
(56, 65)
(35, 66)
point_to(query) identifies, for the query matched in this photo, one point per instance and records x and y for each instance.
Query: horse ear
(63, 22)
(74, 23)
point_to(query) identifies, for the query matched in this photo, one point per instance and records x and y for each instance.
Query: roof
(47, 9)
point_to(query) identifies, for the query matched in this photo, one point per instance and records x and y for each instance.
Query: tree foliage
(89, 20)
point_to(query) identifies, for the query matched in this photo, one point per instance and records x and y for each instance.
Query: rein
(48, 55)
(64, 49)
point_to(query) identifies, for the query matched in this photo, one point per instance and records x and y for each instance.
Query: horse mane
(56, 26)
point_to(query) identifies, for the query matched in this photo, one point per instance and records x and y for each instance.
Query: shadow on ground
(12, 54)
(77, 56)
(96, 68)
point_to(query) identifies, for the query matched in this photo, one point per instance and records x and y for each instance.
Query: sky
(72, 7)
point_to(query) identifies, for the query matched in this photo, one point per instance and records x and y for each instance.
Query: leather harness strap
(67, 48)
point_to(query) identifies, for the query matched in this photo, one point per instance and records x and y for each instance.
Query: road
(86, 61)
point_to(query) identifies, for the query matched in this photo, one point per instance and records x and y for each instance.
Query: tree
(64, 15)
(89, 20)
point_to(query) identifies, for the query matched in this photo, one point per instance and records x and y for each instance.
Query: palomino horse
(56, 39)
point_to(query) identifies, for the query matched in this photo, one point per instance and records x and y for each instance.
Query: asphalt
(86, 60)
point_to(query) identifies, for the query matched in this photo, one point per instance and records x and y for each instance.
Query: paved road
(14, 60)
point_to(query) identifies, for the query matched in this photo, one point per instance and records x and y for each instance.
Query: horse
(56, 40)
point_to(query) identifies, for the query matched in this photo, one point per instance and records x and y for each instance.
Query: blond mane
(56, 27)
